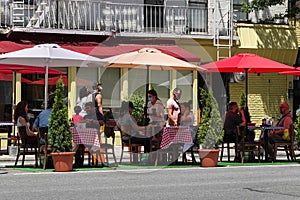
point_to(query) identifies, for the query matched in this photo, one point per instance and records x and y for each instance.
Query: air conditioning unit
(237, 77)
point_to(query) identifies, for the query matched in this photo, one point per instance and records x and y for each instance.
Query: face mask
(100, 89)
(177, 96)
(150, 99)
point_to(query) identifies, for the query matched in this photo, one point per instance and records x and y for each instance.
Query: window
(197, 16)
(154, 14)
(238, 14)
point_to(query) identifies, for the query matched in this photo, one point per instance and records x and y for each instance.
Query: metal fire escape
(223, 27)
(18, 13)
(38, 17)
(223, 31)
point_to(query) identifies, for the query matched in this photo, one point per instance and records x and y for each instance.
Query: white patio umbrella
(185, 80)
(48, 55)
(149, 58)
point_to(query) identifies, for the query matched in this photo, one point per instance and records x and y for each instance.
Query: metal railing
(93, 15)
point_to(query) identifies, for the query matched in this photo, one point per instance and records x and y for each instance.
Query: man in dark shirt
(97, 95)
(91, 121)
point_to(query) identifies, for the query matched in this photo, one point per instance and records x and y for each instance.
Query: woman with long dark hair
(21, 119)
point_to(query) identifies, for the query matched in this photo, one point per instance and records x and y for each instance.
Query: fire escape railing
(92, 15)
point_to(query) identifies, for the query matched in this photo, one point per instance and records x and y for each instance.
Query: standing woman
(155, 109)
(173, 108)
(21, 119)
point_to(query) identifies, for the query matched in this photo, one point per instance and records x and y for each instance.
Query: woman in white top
(155, 109)
(21, 118)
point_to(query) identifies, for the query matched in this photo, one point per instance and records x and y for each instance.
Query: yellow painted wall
(276, 42)
(297, 26)
(264, 97)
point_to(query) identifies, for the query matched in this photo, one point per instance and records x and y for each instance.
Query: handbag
(109, 128)
(109, 131)
(286, 134)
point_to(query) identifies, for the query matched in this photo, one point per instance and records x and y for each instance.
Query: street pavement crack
(271, 192)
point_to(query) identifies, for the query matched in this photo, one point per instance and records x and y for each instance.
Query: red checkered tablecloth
(173, 134)
(85, 136)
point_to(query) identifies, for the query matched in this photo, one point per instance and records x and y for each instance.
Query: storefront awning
(107, 51)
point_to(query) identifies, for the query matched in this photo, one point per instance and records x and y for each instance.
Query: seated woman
(129, 125)
(247, 120)
(187, 117)
(232, 119)
(21, 118)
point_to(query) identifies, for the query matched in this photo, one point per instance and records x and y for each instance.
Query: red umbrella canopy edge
(246, 62)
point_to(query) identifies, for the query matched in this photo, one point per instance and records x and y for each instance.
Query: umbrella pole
(46, 88)
(246, 86)
(14, 89)
(147, 89)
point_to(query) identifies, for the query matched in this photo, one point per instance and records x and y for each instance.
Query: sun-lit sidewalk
(9, 160)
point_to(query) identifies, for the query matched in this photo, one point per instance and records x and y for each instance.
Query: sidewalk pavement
(9, 160)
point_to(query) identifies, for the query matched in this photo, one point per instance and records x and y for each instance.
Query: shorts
(99, 115)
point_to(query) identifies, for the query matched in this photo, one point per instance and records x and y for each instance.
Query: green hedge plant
(210, 132)
(59, 135)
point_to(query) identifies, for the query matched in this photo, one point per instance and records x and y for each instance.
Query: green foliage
(210, 132)
(256, 5)
(59, 136)
(297, 127)
(242, 100)
(139, 103)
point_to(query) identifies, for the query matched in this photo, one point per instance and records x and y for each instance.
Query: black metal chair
(229, 147)
(43, 148)
(27, 145)
(134, 149)
(108, 148)
(246, 146)
(193, 149)
(287, 146)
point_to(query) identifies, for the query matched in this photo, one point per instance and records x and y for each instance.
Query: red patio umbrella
(247, 63)
(295, 72)
(53, 80)
(9, 77)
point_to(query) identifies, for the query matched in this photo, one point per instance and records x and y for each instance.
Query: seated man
(91, 121)
(276, 135)
(42, 120)
(126, 121)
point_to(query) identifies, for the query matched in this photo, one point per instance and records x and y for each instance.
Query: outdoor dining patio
(177, 145)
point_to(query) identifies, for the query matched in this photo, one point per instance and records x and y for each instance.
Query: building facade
(209, 30)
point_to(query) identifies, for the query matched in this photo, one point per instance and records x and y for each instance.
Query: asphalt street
(264, 182)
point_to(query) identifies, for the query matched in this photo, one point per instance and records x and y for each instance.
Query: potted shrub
(210, 132)
(297, 128)
(59, 135)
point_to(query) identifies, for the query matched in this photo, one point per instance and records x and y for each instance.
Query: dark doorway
(296, 97)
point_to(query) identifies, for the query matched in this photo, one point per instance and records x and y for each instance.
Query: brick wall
(265, 93)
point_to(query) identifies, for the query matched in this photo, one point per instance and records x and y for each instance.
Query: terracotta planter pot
(63, 161)
(209, 157)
